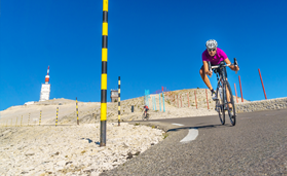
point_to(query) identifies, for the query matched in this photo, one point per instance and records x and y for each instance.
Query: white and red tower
(45, 90)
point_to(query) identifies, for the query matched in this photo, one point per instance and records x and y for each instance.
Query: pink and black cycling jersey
(216, 59)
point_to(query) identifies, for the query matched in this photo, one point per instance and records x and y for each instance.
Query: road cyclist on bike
(145, 110)
(215, 56)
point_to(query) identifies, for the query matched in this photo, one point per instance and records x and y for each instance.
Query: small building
(29, 102)
(114, 95)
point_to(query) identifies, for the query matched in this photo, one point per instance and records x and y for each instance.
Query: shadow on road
(199, 127)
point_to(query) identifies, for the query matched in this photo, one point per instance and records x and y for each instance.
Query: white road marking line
(192, 134)
(178, 124)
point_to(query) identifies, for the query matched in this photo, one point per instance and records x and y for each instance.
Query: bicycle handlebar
(217, 66)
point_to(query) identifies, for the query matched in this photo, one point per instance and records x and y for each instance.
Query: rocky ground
(71, 150)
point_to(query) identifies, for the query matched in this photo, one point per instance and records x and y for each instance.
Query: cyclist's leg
(205, 78)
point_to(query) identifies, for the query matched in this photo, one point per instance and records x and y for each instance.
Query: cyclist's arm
(205, 68)
(232, 67)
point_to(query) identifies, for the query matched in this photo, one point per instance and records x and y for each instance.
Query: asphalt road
(257, 145)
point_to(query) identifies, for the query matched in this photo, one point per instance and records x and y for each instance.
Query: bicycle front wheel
(219, 105)
(230, 101)
(143, 117)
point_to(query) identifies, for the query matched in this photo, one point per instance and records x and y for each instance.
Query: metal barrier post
(40, 118)
(262, 84)
(57, 117)
(240, 88)
(104, 74)
(159, 102)
(163, 105)
(119, 102)
(77, 111)
(154, 103)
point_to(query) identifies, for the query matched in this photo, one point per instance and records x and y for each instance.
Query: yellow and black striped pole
(21, 119)
(57, 116)
(77, 111)
(119, 102)
(40, 118)
(104, 74)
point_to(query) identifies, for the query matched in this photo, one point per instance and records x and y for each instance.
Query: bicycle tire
(219, 106)
(143, 117)
(231, 112)
(147, 116)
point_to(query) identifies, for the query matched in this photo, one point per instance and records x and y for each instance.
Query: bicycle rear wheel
(231, 111)
(147, 116)
(219, 105)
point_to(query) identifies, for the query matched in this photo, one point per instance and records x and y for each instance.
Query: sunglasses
(211, 49)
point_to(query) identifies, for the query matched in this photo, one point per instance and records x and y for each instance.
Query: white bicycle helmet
(211, 44)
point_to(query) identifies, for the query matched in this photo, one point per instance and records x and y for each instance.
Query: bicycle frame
(222, 79)
(226, 96)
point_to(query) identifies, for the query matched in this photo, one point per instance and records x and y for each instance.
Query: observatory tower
(45, 90)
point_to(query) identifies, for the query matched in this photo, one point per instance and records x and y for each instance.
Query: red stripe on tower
(47, 77)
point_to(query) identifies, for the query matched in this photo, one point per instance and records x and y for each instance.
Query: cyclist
(215, 55)
(145, 109)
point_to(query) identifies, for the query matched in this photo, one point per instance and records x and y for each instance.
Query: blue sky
(150, 44)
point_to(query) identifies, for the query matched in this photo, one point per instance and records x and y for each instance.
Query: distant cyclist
(215, 55)
(145, 109)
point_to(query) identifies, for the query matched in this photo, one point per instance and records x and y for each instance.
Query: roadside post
(77, 111)
(57, 117)
(240, 88)
(104, 75)
(163, 104)
(119, 101)
(262, 84)
(159, 102)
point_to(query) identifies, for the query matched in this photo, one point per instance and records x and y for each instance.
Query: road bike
(145, 117)
(223, 92)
